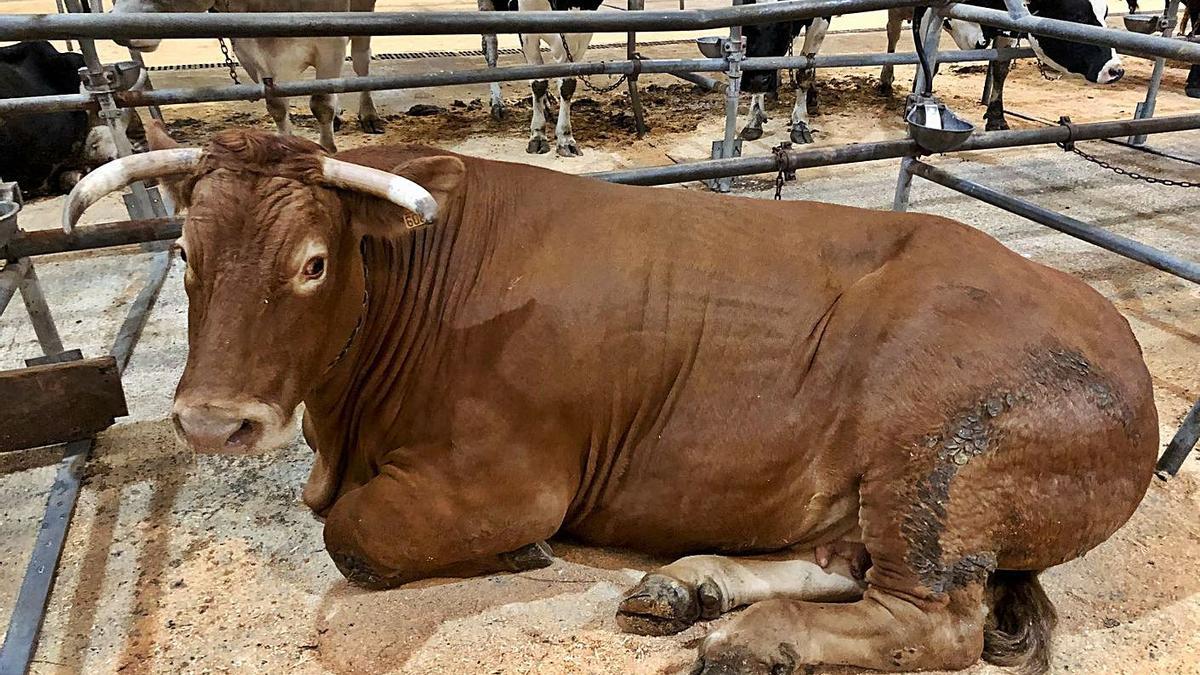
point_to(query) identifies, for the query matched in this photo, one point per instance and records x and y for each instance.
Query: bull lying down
(615, 364)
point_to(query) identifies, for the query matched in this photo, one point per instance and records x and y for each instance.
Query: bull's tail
(1019, 624)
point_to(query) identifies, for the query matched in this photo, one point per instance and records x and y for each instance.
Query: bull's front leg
(994, 116)
(437, 517)
(758, 115)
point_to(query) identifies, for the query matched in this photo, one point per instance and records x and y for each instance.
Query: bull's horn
(396, 189)
(121, 172)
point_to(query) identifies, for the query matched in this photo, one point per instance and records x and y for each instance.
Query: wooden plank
(59, 402)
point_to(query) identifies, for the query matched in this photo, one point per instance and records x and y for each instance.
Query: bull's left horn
(396, 189)
(121, 172)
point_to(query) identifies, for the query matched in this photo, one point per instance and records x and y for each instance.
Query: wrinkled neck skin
(416, 280)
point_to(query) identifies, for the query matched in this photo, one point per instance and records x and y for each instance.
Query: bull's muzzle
(211, 428)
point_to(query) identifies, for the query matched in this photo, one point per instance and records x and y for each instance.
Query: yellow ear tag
(412, 221)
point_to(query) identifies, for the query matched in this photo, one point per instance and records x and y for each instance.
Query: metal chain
(1133, 174)
(228, 61)
(781, 161)
(584, 78)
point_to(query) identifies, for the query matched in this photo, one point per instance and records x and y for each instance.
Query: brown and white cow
(791, 378)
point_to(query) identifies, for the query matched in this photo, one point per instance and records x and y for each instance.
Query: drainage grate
(413, 56)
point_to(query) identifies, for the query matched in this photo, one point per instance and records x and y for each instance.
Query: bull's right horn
(395, 189)
(121, 172)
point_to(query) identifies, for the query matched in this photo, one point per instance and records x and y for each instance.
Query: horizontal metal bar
(1134, 250)
(345, 24)
(121, 233)
(1137, 43)
(1181, 445)
(863, 152)
(342, 85)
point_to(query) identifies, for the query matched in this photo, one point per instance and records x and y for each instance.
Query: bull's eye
(314, 268)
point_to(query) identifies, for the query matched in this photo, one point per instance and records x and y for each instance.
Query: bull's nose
(212, 429)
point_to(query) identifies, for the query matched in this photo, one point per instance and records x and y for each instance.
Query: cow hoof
(1192, 92)
(359, 573)
(569, 150)
(370, 124)
(751, 133)
(531, 557)
(337, 123)
(662, 605)
(538, 146)
(885, 88)
(497, 112)
(801, 134)
(996, 125)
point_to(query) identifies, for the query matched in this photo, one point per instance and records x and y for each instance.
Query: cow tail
(1019, 624)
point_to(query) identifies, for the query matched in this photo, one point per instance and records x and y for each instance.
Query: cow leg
(418, 520)
(894, 26)
(491, 52)
(674, 597)
(360, 54)
(806, 93)
(564, 138)
(278, 109)
(324, 106)
(538, 144)
(994, 116)
(758, 115)
(882, 631)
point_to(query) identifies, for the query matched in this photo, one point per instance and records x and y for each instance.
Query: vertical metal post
(39, 314)
(1146, 108)
(635, 97)
(734, 53)
(903, 185)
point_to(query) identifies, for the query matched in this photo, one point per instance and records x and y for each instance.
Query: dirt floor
(202, 564)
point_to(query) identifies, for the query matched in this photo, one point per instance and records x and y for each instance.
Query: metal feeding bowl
(711, 47)
(8, 213)
(935, 128)
(1143, 23)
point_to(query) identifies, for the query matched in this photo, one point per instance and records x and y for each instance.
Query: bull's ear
(157, 138)
(441, 175)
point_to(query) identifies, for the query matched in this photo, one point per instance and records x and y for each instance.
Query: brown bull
(670, 371)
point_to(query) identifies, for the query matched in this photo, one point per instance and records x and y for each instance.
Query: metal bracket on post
(1166, 24)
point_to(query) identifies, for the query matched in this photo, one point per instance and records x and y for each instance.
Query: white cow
(280, 59)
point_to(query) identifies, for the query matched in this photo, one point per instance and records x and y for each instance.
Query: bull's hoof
(801, 134)
(358, 572)
(538, 146)
(996, 125)
(569, 150)
(738, 664)
(661, 605)
(751, 133)
(370, 124)
(497, 112)
(531, 557)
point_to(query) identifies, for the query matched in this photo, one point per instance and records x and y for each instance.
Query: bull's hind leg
(705, 586)
(758, 114)
(538, 144)
(806, 80)
(360, 54)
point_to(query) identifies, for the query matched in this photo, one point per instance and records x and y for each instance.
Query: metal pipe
(122, 233)
(1181, 445)
(1146, 107)
(341, 85)
(39, 314)
(10, 279)
(1136, 43)
(1134, 250)
(348, 24)
(706, 83)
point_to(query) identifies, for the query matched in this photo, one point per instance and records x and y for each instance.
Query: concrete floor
(201, 564)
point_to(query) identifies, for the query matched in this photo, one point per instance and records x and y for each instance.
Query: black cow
(775, 39)
(47, 152)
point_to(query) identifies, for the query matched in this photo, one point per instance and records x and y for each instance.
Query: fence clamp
(1069, 144)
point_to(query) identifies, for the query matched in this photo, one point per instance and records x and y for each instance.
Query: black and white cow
(47, 152)
(776, 39)
(564, 48)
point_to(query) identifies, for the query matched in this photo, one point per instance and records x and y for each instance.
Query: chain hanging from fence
(584, 78)
(781, 162)
(229, 61)
(1069, 146)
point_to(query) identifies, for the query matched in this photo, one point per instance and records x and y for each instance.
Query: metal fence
(150, 222)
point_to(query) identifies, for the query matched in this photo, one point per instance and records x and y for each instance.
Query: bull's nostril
(245, 434)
